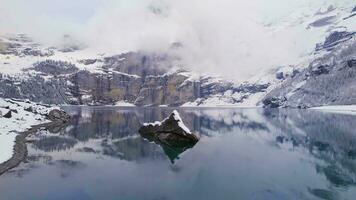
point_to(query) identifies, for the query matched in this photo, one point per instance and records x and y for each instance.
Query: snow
(341, 109)
(19, 122)
(226, 101)
(296, 87)
(156, 123)
(12, 64)
(180, 122)
(176, 117)
(124, 104)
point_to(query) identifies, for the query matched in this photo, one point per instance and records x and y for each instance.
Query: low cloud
(232, 38)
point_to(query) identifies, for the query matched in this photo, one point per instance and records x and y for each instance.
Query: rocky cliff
(142, 79)
(74, 75)
(327, 80)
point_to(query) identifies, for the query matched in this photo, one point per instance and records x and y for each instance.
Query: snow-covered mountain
(75, 74)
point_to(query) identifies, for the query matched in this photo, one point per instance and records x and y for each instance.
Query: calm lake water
(242, 154)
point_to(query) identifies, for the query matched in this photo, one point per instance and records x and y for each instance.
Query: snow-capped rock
(171, 130)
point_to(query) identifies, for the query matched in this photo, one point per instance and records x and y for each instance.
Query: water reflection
(243, 153)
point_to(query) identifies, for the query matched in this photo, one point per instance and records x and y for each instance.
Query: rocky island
(171, 134)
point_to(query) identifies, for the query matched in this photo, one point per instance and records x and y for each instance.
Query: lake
(242, 154)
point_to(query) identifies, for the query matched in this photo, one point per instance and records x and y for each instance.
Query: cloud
(222, 37)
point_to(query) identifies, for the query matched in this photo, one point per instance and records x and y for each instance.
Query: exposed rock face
(8, 114)
(351, 63)
(171, 134)
(273, 102)
(21, 46)
(334, 39)
(53, 67)
(137, 78)
(140, 78)
(323, 21)
(58, 115)
(147, 79)
(329, 80)
(170, 131)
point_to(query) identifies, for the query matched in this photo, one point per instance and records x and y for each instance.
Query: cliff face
(136, 78)
(328, 80)
(77, 77)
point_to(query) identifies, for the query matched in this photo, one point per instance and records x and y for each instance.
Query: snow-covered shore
(341, 109)
(24, 114)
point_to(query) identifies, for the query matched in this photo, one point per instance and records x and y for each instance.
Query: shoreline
(20, 147)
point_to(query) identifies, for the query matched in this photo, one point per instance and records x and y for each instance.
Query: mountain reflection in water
(243, 154)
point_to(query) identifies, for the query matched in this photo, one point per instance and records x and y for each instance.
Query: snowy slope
(20, 121)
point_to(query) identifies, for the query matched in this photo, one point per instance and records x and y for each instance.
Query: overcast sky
(216, 34)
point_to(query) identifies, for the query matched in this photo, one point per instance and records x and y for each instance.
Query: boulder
(171, 134)
(8, 114)
(351, 63)
(170, 131)
(58, 115)
(322, 69)
(280, 75)
(273, 102)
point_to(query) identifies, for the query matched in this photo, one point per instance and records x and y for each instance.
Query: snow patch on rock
(180, 122)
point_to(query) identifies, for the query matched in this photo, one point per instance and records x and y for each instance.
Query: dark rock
(251, 88)
(334, 39)
(322, 193)
(171, 134)
(352, 154)
(273, 102)
(280, 139)
(14, 111)
(58, 115)
(321, 146)
(280, 75)
(169, 131)
(89, 61)
(351, 63)
(36, 52)
(322, 22)
(322, 69)
(55, 67)
(8, 114)
(29, 109)
(87, 150)
(354, 10)
(337, 177)
(70, 48)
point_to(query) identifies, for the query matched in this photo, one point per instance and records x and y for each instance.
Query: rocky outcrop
(170, 131)
(171, 134)
(58, 115)
(8, 114)
(329, 80)
(140, 78)
(53, 67)
(334, 39)
(137, 78)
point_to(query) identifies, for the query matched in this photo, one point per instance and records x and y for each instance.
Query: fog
(232, 38)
